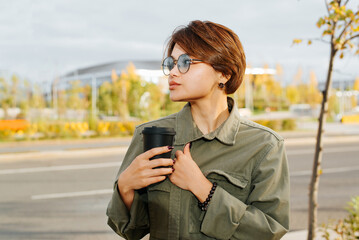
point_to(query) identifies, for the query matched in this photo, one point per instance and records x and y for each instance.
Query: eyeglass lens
(183, 64)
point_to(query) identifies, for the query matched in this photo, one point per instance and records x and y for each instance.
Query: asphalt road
(64, 195)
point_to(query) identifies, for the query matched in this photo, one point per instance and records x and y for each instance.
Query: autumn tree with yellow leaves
(341, 27)
(128, 95)
(119, 95)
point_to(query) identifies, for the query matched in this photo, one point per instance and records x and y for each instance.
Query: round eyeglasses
(183, 63)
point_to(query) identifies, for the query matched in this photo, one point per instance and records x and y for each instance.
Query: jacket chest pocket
(158, 207)
(233, 183)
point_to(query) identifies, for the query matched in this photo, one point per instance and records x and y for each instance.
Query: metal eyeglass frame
(191, 61)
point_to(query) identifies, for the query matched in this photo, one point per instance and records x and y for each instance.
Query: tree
(25, 101)
(104, 98)
(153, 99)
(5, 96)
(136, 89)
(74, 99)
(280, 74)
(120, 93)
(14, 90)
(292, 94)
(37, 97)
(61, 103)
(314, 95)
(298, 77)
(341, 26)
(87, 92)
(356, 84)
(267, 91)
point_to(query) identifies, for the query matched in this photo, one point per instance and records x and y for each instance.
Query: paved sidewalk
(297, 235)
(333, 128)
(302, 235)
(305, 135)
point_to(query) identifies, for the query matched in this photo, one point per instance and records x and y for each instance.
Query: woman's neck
(209, 114)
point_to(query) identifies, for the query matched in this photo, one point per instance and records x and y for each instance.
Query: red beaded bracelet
(203, 206)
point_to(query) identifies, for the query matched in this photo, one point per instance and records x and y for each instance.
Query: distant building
(149, 70)
(339, 84)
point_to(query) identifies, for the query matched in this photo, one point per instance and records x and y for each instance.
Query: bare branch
(346, 2)
(347, 25)
(321, 40)
(353, 37)
(326, 5)
(347, 40)
(334, 28)
(345, 28)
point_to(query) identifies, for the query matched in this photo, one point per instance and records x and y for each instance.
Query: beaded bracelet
(203, 206)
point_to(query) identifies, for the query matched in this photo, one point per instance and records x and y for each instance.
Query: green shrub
(347, 228)
(6, 134)
(289, 124)
(278, 124)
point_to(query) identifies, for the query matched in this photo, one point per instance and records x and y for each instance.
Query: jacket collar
(187, 130)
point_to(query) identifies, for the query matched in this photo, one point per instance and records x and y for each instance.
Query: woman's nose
(174, 71)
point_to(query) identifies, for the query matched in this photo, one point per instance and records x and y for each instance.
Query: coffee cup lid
(158, 130)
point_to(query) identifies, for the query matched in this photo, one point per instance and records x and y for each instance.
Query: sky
(40, 40)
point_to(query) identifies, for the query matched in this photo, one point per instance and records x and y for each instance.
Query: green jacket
(249, 164)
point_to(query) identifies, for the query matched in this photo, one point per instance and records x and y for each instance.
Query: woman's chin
(175, 98)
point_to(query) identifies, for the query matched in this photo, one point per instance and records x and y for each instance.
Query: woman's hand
(188, 176)
(143, 172)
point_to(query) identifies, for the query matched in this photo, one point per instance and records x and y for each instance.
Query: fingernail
(190, 144)
(170, 147)
(173, 169)
(173, 161)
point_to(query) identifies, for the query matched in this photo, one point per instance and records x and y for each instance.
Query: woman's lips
(173, 85)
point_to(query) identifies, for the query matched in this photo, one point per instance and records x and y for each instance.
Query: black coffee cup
(158, 137)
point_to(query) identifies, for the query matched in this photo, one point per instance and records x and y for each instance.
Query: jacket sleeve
(265, 215)
(133, 224)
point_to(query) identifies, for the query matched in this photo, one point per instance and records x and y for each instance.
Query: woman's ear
(223, 78)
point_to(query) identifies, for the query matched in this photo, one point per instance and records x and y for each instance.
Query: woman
(229, 177)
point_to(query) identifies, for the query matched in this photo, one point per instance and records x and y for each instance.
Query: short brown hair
(216, 45)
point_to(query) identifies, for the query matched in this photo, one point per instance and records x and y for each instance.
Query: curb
(52, 142)
(63, 154)
(106, 151)
(326, 139)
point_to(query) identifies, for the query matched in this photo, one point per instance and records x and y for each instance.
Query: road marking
(325, 150)
(60, 168)
(71, 194)
(110, 191)
(325, 171)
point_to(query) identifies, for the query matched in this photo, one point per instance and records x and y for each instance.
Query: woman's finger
(160, 162)
(178, 154)
(153, 180)
(156, 151)
(186, 149)
(160, 171)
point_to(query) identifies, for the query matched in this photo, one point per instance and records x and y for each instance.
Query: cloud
(41, 39)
